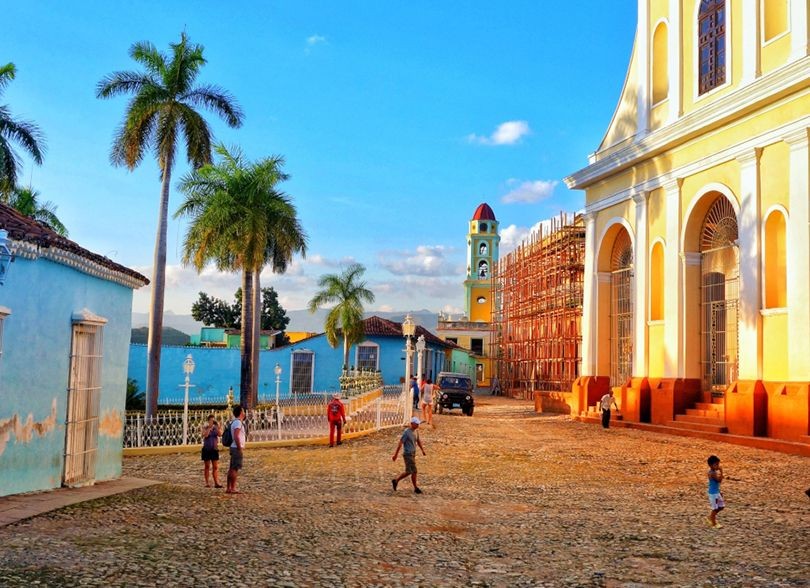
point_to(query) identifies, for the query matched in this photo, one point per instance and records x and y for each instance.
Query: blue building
(65, 318)
(309, 365)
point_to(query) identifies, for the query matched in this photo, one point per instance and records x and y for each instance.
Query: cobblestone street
(510, 498)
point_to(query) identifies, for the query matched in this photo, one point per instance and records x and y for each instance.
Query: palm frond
(7, 73)
(148, 55)
(197, 136)
(123, 82)
(218, 101)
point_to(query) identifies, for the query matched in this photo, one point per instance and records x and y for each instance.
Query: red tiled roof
(483, 212)
(380, 327)
(23, 228)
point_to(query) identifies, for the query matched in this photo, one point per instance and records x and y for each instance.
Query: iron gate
(621, 310)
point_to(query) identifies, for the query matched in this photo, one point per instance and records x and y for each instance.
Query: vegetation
(135, 398)
(24, 133)
(171, 336)
(347, 292)
(26, 201)
(217, 313)
(240, 221)
(163, 112)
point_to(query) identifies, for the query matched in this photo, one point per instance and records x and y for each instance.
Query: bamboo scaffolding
(537, 291)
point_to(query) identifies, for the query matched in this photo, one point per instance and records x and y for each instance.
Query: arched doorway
(621, 309)
(719, 296)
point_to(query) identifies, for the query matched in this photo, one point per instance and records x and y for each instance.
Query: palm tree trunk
(257, 331)
(246, 378)
(155, 337)
(345, 352)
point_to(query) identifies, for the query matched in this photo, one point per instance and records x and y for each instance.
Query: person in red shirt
(336, 414)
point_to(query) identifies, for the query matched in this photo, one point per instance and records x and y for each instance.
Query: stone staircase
(707, 416)
(593, 413)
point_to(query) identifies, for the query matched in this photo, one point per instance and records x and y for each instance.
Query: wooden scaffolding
(537, 291)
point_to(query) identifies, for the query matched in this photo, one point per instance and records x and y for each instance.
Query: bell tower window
(711, 44)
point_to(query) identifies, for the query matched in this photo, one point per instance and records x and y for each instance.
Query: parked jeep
(454, 391)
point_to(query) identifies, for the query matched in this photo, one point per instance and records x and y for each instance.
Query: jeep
(453, 391)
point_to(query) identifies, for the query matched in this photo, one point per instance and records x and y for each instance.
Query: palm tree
(12, 130)
(348, 293)
(26, 201)
(161, 113)
(241, 222)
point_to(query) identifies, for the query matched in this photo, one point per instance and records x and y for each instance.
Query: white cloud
(320, 260)
(529, 192)
(507, 133)
(385, 308)
(313, 40)
(427, 260)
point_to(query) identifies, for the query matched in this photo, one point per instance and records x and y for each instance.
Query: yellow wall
(299, 335)
(775, 351)
(656, 349)
(656, 215)
(478, 311)
(774, 176)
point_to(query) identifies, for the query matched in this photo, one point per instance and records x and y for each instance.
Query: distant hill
(182, 322)
(170, 336)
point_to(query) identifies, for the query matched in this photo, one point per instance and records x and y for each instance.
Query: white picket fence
(303, 417)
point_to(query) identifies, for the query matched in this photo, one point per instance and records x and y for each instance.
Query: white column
(640, 255)
(589, 298)
(675, 63)
(643, 72)
(750, 40)
(798, 29)
(798, 259)
(605, 278)
(687, 260)
(748, 227)
(673, 278)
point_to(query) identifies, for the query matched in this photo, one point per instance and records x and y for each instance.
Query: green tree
(215, 312)
(26, 201)
(135, 398)
(161, 113)
(24, 133)
(347, 292)
(241, 222)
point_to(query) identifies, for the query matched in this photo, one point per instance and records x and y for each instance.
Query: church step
(707, 420)
(715, 414)
(706, 428)
(709, 406)
(594, 414)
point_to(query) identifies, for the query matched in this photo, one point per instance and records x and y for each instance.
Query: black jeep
(453, 391)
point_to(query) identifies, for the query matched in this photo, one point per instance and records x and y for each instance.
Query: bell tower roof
(483, 212)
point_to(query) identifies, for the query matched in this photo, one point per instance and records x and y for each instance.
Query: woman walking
(427, 402)
(210, 453)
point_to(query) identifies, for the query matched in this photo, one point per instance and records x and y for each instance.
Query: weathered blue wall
(42, 296)
(216, 368)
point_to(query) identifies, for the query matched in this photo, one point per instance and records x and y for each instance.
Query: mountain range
(300, 320)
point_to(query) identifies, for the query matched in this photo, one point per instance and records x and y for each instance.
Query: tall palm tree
(161, 113)
(26, 201)
(240, 221)
(348, 293)
(26, 134)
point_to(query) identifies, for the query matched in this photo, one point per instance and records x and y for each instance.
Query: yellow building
(473, 331)
(697, 222)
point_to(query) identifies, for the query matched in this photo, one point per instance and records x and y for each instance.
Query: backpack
(227, 435)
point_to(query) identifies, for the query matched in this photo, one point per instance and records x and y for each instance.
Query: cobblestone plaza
(511, 498)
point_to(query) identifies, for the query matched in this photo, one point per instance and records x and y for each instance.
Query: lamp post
(420, 350)
(188, 369)
(6, 256)
(277, 371)
(408, 329)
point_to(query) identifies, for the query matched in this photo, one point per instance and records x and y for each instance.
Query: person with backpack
(336, 414)
(210, 453)
(234, 437)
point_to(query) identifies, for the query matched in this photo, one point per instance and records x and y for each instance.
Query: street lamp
(408, 329)
(420, 350)
(6, 256)
(188, 369)
(277, 371)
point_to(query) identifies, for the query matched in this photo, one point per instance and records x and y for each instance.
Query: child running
(716, 503)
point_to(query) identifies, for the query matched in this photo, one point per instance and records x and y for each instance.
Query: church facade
(473, 331)
(697, 266)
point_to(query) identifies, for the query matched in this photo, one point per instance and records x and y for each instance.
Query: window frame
(665, 23)
(763, 41)
(697, 95)
(292, 370)
(367, 344)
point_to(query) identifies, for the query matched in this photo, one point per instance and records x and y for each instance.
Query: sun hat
(416, 421)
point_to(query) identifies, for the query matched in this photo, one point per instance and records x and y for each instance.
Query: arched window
(621, 309)
(712, 44)
(483, 270)
(775, 261)
(774, 18)
(482, 249)
(660, 73)
(657, 282)
(482, 227)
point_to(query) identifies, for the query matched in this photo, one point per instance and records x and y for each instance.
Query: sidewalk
(23, 506)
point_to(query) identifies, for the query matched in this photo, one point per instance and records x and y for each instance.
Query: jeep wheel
(469, 410)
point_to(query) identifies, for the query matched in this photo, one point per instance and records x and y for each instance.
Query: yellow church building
(697, 218)
(473, 331)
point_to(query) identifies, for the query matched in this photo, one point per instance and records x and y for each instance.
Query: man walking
(336, 414)
(605, 404)
(415, 392)
(408, 442)
(236, 449)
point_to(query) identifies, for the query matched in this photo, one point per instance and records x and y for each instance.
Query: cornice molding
(743, 100)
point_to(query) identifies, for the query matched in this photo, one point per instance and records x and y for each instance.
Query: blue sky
(396, 120)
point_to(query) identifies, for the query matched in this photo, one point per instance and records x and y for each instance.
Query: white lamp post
(408, 329)
(188, 369)
(420, 350)
(277, 371)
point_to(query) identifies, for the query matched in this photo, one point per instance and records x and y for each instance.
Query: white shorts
(716, 501)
